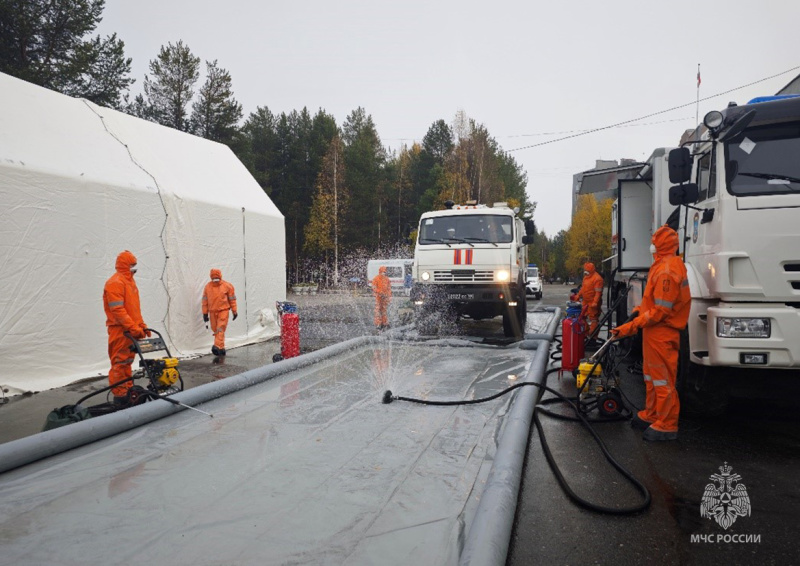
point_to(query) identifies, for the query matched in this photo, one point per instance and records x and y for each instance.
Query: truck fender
(697, 326)
(697, 285)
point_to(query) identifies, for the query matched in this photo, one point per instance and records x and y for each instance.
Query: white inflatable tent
(79, 183)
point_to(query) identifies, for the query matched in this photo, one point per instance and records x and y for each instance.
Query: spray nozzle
(387, 397)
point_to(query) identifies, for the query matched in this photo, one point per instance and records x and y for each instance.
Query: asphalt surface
(758, 437)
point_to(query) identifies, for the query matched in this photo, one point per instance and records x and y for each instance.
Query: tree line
(561, 257)
(343, 193)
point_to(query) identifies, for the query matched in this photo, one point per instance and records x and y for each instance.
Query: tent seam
(165, 319)
(244, 262)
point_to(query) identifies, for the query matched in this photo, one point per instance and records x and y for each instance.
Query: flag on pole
(698, 76)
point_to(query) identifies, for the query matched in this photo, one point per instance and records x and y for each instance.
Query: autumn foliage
(589, 236)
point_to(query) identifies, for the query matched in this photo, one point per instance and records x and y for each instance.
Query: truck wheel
(514, 320)
(702, 390)
(425, 324)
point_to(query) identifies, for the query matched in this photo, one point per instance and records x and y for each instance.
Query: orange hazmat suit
(663, 313)
(219, 297)
(123, 314)
(590, 295)
(382, 288)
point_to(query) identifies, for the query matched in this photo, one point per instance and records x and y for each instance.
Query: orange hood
(665, 239)
(588, 266)
(216, 274)
(124, 262)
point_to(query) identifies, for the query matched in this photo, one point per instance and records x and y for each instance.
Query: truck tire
(514, 319)
(702, 390)
(425, 324)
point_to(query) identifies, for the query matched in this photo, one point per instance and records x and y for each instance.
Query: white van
(396, 271)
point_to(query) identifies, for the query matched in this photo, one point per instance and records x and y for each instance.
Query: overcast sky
(529, 71)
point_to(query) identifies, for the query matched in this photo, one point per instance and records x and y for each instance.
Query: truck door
(634, 225)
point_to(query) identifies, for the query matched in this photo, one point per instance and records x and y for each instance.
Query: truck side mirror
(680, 165)
(527, 240)
(683, 194)
(530, 227)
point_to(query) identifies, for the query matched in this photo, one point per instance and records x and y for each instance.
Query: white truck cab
(469, 260)
(734, 197)
(742, 237)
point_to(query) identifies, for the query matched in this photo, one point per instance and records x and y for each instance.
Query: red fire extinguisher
(289, 321)
(573, 333)
(290, 335)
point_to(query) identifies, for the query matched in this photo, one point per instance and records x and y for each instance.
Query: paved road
(759, 437)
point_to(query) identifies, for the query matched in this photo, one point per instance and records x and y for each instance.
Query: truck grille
(463, 276)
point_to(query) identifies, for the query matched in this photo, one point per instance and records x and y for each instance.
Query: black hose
(388, 398)
(108, 388)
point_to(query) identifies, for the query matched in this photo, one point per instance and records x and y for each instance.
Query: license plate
(461, 296)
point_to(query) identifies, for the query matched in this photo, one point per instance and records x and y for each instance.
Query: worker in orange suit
(590, 295)
(219, 297)
(382, 288)
(123, 315)
(662, 315)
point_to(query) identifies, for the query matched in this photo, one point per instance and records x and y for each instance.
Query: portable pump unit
(597, 387)
(162, 376)
(164, 370)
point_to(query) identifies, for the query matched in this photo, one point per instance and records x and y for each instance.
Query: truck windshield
(474, 228)
(763, 161)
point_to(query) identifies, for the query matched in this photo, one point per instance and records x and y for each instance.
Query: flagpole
(697, 107)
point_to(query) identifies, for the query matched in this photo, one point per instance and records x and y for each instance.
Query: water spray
(175, 402)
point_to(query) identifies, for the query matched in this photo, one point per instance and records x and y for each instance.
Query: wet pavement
(758, 437)
(307, 467)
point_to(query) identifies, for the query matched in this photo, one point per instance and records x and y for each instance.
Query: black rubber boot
(654, 435)
(222, 352)
(215, 350)
(639, 424)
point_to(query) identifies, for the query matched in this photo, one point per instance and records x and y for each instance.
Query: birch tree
(330, 202)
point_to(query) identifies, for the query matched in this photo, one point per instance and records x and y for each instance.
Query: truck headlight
(425, 275)
(743, 327)
(503, 275)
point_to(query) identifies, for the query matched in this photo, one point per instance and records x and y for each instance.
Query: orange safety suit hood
(588, 266)
(216, 274)
(382, 270)
(124, 262)
(665, 239)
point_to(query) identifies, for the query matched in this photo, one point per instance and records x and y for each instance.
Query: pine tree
(45, 42)
(365, 158)
(438, 141)
(216, 113)
(168, 93)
